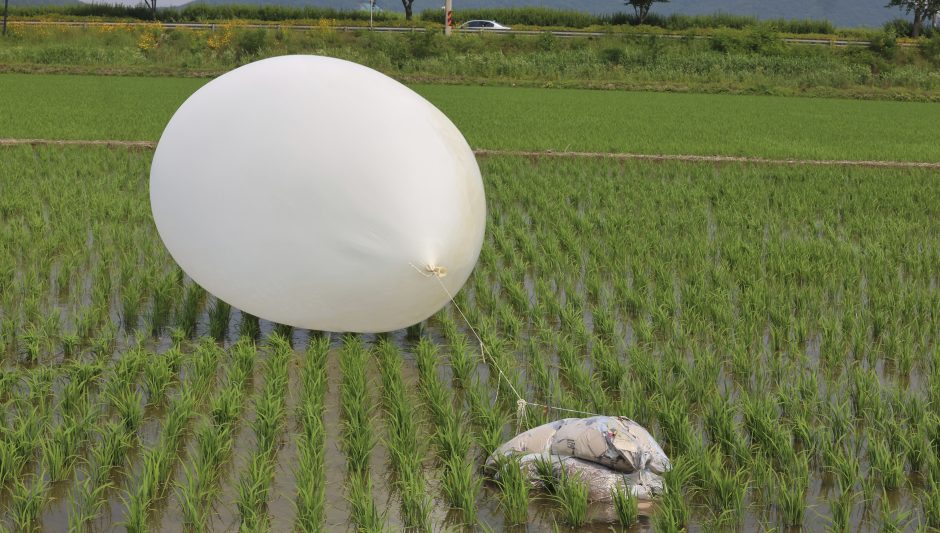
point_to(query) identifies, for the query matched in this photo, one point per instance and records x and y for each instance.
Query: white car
(483, 25)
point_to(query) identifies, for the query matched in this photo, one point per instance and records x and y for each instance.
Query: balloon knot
(438, 271)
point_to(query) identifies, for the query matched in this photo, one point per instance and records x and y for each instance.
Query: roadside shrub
(425, 44)
(547, 42)
(885, 44)
(763, 40)
(250, 42)
(930, 48)
(725, 41)
(899, 26)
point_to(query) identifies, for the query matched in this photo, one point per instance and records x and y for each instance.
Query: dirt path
(535, 154)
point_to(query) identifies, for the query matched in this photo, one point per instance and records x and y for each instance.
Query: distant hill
(842, 13)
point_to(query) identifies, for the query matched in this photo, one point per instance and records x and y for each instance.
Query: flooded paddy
(774, 328)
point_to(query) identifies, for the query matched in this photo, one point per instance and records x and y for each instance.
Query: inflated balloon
(319, 193)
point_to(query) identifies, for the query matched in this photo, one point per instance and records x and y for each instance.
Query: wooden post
(6, 11)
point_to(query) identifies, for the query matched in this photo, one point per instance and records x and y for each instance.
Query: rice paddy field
(775, 327)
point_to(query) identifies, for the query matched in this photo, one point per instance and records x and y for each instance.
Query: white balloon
(318, 193)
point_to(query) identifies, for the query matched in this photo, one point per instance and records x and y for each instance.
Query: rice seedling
(402, 441)
(840, 508)
(626, 506)
(219, 317)
(310, 472)
(461, 486)
(253, 491)
(886, 465)
(254, 485)
(363, 511)
(250, 326)
(791, 499)
(930, 505)
(571, 496)
(514, 490)
(27, 502)
(189, 313)
(358, 439)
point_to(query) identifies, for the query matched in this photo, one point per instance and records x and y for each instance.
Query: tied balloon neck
(438, 271)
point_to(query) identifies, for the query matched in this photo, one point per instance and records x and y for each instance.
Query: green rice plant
(363, 512)
(891, 520)
(930, 505)
(158, 375)
(462, 362)
(844, 465)
(131, 297)
(188, 315)
(58, 452)
(285, 331)
(840, 510)
(451, 439)
(128, 402)
(461, 486)
(725, 492)
(571, 496)
(86, 504)
(513, 489)
(27, 502)
(791, 498)
(250, 327)
(219, 317)
(402, 441)
(887, 465)
(626, 506)
(311, 478)
(253, 490)
(672, 514)
(487, 418)
(358, 439)
(310, 473)
(162, 303)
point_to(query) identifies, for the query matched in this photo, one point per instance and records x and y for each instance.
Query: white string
(521, 404)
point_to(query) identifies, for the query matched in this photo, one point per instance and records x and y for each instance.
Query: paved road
(392, 29)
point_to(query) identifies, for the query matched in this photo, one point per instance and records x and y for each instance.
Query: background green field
(137, 108)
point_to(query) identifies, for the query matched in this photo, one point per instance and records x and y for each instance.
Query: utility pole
(371, 12)
(6, 11)
(448, 16)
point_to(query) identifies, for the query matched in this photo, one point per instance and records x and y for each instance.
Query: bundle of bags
(605, 452)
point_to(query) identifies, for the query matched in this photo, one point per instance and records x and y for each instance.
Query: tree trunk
(918, 21)
(407, 4)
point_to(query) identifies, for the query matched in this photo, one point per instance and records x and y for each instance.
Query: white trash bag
(603, 451)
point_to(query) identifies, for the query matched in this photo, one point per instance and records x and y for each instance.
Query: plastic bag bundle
(603, 451)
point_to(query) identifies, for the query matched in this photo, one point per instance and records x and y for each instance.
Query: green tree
(642, 8)
(921, 9)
